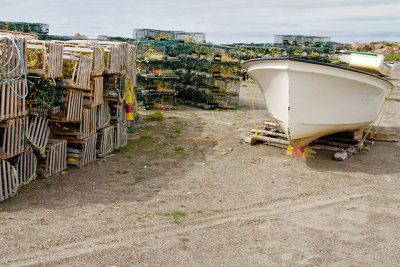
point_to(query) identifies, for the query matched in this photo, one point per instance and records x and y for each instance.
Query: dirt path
(188, 191)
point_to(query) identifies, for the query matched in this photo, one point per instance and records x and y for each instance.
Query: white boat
(311, 99)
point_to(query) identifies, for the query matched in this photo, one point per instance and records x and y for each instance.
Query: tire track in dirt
(254, 211)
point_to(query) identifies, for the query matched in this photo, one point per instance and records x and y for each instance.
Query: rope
(380, 114)
(252, 103)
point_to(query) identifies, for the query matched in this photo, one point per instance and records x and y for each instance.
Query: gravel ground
(188, 191)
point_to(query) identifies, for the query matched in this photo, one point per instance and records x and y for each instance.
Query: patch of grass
(129, 157)
(178, 131)
(184, 239)
(47, 184)
(178, 148)
(177, 122)
(199, 211)
(34, 203)
(156, 116)
(392, 57)
(176, 215)
(171, 136)
(101, 211)
(138, 179)
(182, 206)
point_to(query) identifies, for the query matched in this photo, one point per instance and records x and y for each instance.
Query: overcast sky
(224, 21)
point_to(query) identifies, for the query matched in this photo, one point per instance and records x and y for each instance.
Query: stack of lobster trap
(17, 161)
(62, 103)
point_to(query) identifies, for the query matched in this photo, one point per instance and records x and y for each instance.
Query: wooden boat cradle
(344, 145)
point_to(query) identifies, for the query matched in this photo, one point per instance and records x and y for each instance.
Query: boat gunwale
(316, 63)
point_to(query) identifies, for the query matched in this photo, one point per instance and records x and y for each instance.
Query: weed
(392, 57)
(172, 136)
(129, 157)
(176, 215)
(178, 148)
(183, 239)
(101, 211)
(178, 131)
(47, 184)
(34, 203)
(182, 206)
(199, 211)
(156, 116)
(177, 122)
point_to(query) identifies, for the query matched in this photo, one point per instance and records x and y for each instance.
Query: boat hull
(310, 100)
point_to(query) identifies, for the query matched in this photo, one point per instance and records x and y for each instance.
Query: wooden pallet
(25, 165)
(94, 97)
(48, 58)
(8, 53)
(55, 160)
(81, 152)
(12, 137)
(8, 180)
(103, 116)
(105, 141)
(38, 133)
(80, 130)
(120, 136)
(12, 105)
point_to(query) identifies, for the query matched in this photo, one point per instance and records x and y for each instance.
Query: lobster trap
(76, 130)
(55, 160)
(114, 86)
(45, 59)
(82, 152)
(156, 100)
(38, 133)
(105, 141)
(8, 180)
(12, 99)
(120, 135)
(12, 137)
(12, 56)
(25, 165)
